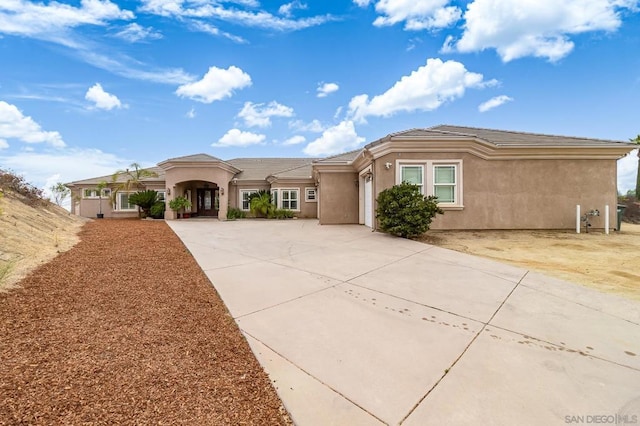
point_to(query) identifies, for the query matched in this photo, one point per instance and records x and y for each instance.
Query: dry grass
(31, 236)
(607, 262)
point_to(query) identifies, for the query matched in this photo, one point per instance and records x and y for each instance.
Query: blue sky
(88, 87)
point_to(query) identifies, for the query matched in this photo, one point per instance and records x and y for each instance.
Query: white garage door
(368, 202)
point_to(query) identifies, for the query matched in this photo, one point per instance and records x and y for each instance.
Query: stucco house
(484, 179)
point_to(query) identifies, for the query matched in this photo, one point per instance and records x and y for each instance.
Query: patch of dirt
(125, 328)
(606, 262)
(31, 236)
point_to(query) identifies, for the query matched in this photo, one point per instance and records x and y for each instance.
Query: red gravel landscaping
(125, 328)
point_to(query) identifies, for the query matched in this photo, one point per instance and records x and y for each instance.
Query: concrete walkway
(360, 328)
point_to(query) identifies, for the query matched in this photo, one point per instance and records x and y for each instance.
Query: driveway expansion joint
(464, 351)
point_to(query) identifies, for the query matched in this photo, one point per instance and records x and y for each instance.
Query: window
(274, 197)
(245, 198)
(442, 178)
(161, 195)
(413, 174)
(289, 199)
(310, 195)
(93, 192)
(444, 183)
(122, 203)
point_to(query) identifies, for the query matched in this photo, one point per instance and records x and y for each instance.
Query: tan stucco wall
(520, 194)
(338, 197)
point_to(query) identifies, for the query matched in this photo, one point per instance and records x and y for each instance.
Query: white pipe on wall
(606, 219)
(578, 219)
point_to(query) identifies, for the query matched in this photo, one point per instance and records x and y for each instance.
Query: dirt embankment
(607, 262)
(31, 236)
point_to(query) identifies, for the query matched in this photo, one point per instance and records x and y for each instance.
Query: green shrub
(157, 210)
(235, 213)
(179, 203)
(145, 200)
(405, 212)
(261, 204)
(281, 214)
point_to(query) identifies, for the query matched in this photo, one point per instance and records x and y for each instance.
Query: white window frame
(428, 177)
(281, 198)
(119, 204)
(308, 199)
(241, 198)
(94, 193)
(421, 185)
(162, 197)
(455, 182)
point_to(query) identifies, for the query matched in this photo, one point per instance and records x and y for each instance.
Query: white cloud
(335, 140)
(425, 89)
(4, 144)
(191, 113)
(259, 115)
(15, 125)
(417, 15)
(102, 99)
(238, 138)
(202, 9)
(20, 17)
(627, 172)
(69, 164)
(210, 29)
(315, 126)
(216, 85)
(325, 89)
(540, 28)
(295, 140)
(287, 8)
(135, 33)
(494, 102)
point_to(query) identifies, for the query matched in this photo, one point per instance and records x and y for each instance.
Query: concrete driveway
(356, 327)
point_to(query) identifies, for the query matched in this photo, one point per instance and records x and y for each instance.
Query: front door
(208, 201)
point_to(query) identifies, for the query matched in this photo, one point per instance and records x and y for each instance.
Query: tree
(145, 201)
(59, 192)
(637, 142)
(261, 204)
(133, 177)
(405, 212)
(100, 187)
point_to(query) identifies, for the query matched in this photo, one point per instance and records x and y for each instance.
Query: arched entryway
(204, 197)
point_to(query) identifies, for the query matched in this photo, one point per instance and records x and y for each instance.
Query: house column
(224, 199)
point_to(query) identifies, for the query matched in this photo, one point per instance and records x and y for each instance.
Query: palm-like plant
(261, 204)
(133, 177)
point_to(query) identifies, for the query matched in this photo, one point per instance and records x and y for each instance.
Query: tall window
(289, 198)
(245, 198)
(444, 183)
(161, 196)
(123, 201)
(413, 174)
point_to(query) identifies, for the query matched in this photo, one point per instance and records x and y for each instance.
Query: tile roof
(194, 158)
(121, 178)
(260, 168)
(510, 138)
(346, 157)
